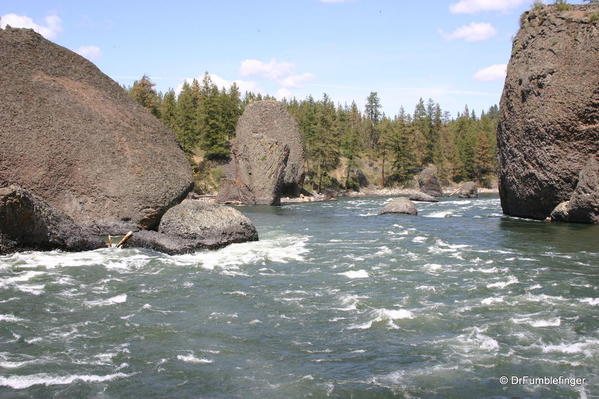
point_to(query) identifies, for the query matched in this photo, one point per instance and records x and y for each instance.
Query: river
(333, 301)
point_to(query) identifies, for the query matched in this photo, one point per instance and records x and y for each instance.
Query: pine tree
(421, 131)
(214, 138)
(143, 92)
(373, 116)
(483, 159)
(351, 147)
(168, 110)
(186, 118)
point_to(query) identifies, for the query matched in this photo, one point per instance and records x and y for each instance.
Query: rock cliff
(267, 157)
(549, 125)
(71, 135)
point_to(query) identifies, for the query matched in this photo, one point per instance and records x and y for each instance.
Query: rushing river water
(333, 301)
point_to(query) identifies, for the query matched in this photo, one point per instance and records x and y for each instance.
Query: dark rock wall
(71, 135)
(549, 125)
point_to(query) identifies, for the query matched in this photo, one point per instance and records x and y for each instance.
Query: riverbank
(378, 192)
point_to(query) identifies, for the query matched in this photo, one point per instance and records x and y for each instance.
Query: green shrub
(562, 5)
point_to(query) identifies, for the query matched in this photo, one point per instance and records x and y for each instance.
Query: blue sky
(454, 51)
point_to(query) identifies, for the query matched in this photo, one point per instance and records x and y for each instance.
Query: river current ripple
(333, 301)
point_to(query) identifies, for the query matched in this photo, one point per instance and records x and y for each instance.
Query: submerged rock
(549, 120)
(583, 205)
(468, 190)
(420, 196)
(429, 182)
(72, 136)
(267, 157)
(194, 225)
(27, 222)
(400, 205)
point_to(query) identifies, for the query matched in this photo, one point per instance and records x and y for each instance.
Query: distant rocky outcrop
(194, 225)
(428, 182)
(583, 205)
(549, 125)
(72, 136)
(399, 205)
(468, 190)
(267, 159)
(420, 196)
(27, 222)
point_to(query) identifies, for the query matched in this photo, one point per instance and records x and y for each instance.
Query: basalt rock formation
(420, 196)
(549, 125)
(194, 225)
(267, 157)
(72, 136)
(399, 205)
(27, 222)
(468, 190)
(429, 182)
(583, 205)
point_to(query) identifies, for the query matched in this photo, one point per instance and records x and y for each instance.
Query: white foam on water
(26, 381)
(193, 359)
(122, 298)
(492, 300)
(10, 318)
(350, 302)
(547, 323)
(432, 267)
(476, 341)
(490, 270)
(502, 284)
(555, 322)
(17, 282)
(590, 301)
(279, 250)
(383, 251)
(419, 239)
(355, 274)
(384, 315)
(237, 293)
(426, 288)
(459, 202)
(588, 348)
(440, 214)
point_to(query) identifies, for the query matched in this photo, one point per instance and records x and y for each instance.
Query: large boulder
(420, 196)
(27, 222)
(549, 119)
(468, 190)
(400, 205)
(428, 182)
(72, 136)
(267, 157)
(583, 205)
(194, 225)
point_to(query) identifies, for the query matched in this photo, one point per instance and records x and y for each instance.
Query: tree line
(204, 117)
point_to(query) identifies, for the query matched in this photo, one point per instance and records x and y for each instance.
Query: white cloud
(494, 72)
(283, 93)
(271, 70)
(280, 72)
(296, 81)
(49, 31)
(473, 6)
(89, 52)
(476, 31)
(243, 85)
